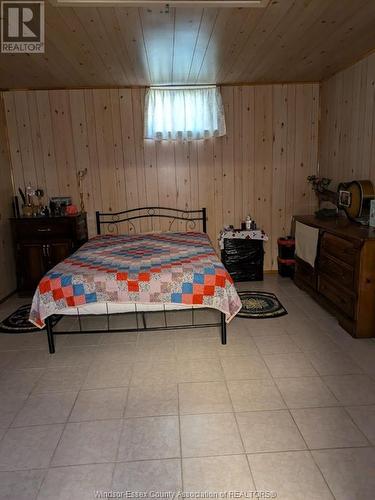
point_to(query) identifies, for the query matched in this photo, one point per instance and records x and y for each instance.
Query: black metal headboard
(189, 216)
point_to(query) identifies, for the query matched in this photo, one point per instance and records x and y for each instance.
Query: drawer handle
(44, 230)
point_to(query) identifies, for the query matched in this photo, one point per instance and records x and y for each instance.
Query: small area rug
(258, 305)
(18, 321)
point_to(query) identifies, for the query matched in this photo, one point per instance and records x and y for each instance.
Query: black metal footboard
(143, 327)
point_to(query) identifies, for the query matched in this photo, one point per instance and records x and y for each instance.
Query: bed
(138, 273)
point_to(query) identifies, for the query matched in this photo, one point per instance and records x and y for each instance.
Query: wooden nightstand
(43, 242)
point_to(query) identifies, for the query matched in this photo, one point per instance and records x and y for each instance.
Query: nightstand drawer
(43, 228)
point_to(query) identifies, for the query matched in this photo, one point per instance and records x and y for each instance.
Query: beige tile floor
(287, 406)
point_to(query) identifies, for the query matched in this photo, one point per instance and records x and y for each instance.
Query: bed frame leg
(223, 330)
(51, 341)
(144, 321)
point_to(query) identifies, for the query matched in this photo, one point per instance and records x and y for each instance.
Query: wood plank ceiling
(288, 41)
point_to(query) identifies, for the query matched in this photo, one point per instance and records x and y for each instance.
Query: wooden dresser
(43, 242)
(343, 279)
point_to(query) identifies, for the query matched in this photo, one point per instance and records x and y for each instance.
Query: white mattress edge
(125, 307)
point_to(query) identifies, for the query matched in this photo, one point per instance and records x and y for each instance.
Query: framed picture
(345, 198)
(58, 204)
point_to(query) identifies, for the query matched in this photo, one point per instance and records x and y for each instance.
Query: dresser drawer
(338, 247)
(341, 298)
(304, 273)
(336, 270)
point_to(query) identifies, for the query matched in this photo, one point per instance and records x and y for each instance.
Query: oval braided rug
(18, 321)
(258, 305)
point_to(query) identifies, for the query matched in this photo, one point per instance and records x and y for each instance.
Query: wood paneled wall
(7, 269)
(259, 167)
(347, 130)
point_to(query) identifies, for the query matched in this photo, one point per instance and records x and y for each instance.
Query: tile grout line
(52, 467)
(58, 442)
(23, 405)
(339, 404)
(133, 417)
(356, 425)
(180, 437)
(343, 403)
(121, 428)
(63, 430)
(307, 447)
(239, 432)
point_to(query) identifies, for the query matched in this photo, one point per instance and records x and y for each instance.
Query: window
(183, 113)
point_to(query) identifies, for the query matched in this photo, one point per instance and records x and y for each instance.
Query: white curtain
(183, 113)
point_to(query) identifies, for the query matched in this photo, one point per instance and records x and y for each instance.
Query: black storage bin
(286, 267)
(286, 247)
(243, 258)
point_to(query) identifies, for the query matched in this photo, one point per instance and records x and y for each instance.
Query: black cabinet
(43, 242)
(243, 258)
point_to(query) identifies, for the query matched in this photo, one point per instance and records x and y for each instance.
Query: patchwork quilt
(162, 268)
